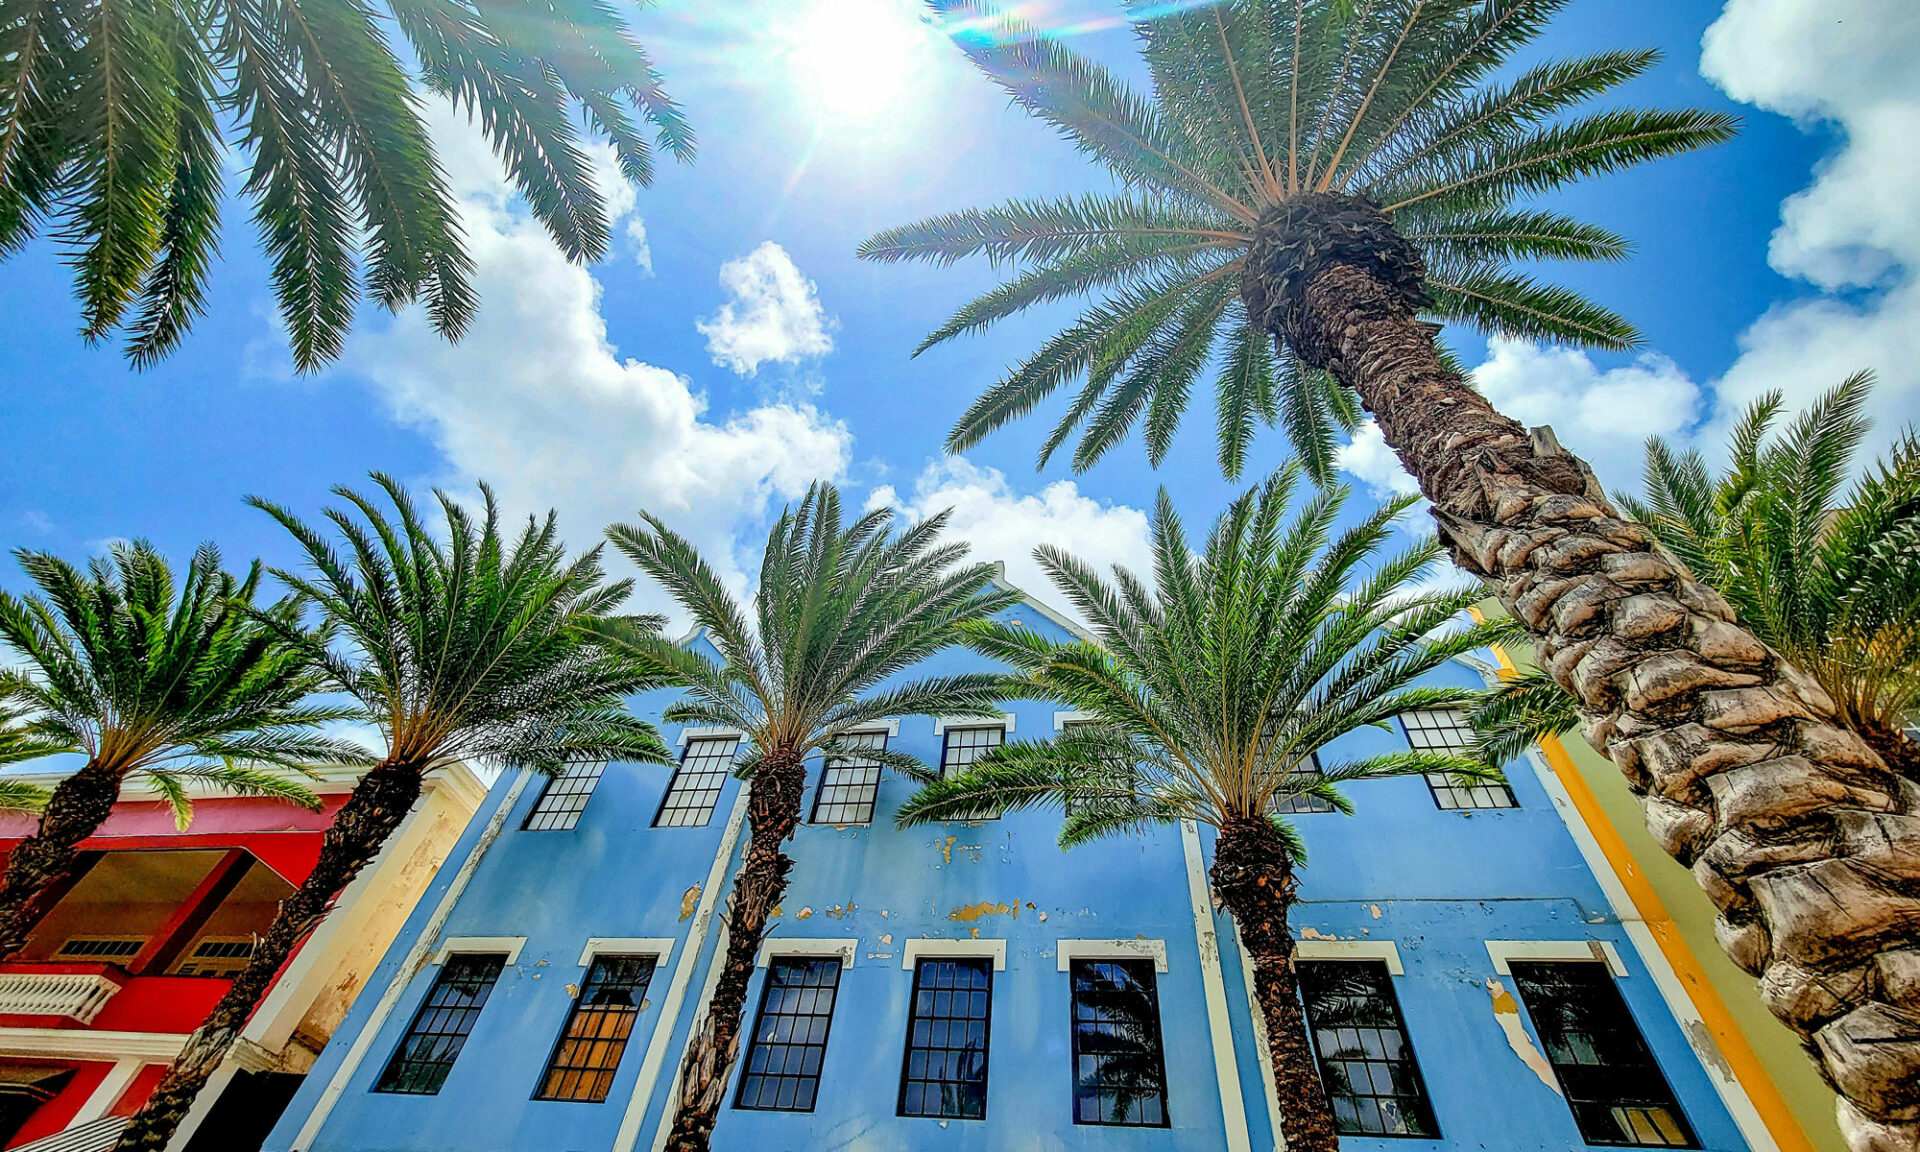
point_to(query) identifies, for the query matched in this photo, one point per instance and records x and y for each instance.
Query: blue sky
(732, 348)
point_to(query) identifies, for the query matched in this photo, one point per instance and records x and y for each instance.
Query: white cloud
(1368, 459)
(1003, 524)
(1848, 63)
(637, 236)
(536, 400)
(775, 314)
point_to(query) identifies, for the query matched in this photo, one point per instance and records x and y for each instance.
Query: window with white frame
(963, 746)
(849, 785)
(440, 1028)
(565, 797)
(1301, 802)
(587, 1055)
(696, 785)
(789, 1039)
(1445, 730)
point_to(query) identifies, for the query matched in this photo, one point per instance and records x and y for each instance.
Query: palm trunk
(1748, 773)
(1255, 882)
(79, 805)
(773, 812)
(380, 801)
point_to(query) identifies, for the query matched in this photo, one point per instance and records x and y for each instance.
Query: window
(790, 1035)
(1442, 730)
(1131, 768)
(565, 797)
(849, 787)
(1304, 802)
(1119, 1072)
(1366, 1061)
(439, 1029)
(965, 745)
(696, 785)
(945, 1072)
(1615, 1090)
(589, 1050)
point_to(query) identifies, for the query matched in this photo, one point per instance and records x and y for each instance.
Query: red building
(149, 930)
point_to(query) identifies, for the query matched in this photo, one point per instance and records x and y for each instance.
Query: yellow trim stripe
(1720, 1024)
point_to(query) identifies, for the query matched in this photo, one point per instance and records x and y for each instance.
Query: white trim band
(841, 946)
(942, 723)
(1067, 951)
(1062, 719)
(511, 945)
(1352, 950)
(1597, 951)
(911, 951)
(891, 726)
(659, 947)
(687, 734)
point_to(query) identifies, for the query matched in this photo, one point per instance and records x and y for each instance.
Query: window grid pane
(1613, 1086)
(849, 788)
(1444, 730)
(963, 746)
(589, 1050)
(1366, 1061)
(945, 1072)
(1304, 803)
(790, 1036)
(439, 1029)
(1119, 1069)
(565, 797)
(696, 784)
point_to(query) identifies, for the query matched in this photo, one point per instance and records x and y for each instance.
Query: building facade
(145, 937)
(1470, 980)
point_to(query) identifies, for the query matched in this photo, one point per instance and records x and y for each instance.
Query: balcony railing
(78, 995)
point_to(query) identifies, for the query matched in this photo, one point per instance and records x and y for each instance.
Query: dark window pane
(789, 1039)
(1615, 1089)
(1303, 803)
(696, 785)
(1444, 730)
(589, 1050)
(1119, 1071)
(565, 797)
(945, 1070)
(1366, 1062)
(439, 1029)
(962, 747)
(849, 788)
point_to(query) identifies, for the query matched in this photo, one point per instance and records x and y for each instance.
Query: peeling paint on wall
(689, 900)
(946, 848)
(804, 914)
(1506, 1010)
(968, 913)
(839, 913)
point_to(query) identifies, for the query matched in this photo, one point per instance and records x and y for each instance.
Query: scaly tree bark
(79, 805)
(1251, 874)
(1804, 840)
(773, 811)
(380, 801)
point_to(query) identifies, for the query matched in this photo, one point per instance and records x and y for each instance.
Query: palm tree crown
(1281, 136)
(113, 121)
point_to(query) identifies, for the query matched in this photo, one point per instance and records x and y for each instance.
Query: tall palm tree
(1213, 691)
(153, 682)
(1826, 573)
(472, 647)
(841, 613)
(114, 137)
(1308, 187)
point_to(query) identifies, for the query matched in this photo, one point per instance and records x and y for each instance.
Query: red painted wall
(52, 1116)
(137, 1092)
(285, 838)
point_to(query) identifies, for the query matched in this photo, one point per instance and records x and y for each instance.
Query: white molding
(1062, 719)
(1077, 631)
(687, 734)
(108, 1091)
(1593, 951)
(1353, 950)
(972, 949)
(890, 725)
(842, 946)
(1226, 1065)
(942, 723)
(1262, 1051)
(153, 1047)
(1067, 951)
(659, 947)
(511, 945)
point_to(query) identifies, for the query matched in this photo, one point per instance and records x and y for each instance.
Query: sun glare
(855, 59)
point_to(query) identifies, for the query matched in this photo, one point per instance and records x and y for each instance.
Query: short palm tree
(472, 647)
(156, 682)
(1307, 189)
(1826, 573)
(1213, 692)
(842, 612)
(114, 122)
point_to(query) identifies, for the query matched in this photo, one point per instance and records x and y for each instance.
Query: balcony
(74, 991)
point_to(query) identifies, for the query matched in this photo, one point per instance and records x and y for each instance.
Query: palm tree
(153, 683)
(114, 138)
(1213, 692)
(19, 742)
(1826, 574)
(841, 613)
(1308, 188)
(469, 648)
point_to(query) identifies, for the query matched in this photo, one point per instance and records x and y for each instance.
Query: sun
(855, 59)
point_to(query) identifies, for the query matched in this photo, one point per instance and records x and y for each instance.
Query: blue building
(1475, 977)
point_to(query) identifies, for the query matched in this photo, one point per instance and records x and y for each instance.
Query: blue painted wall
(1438, 884)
